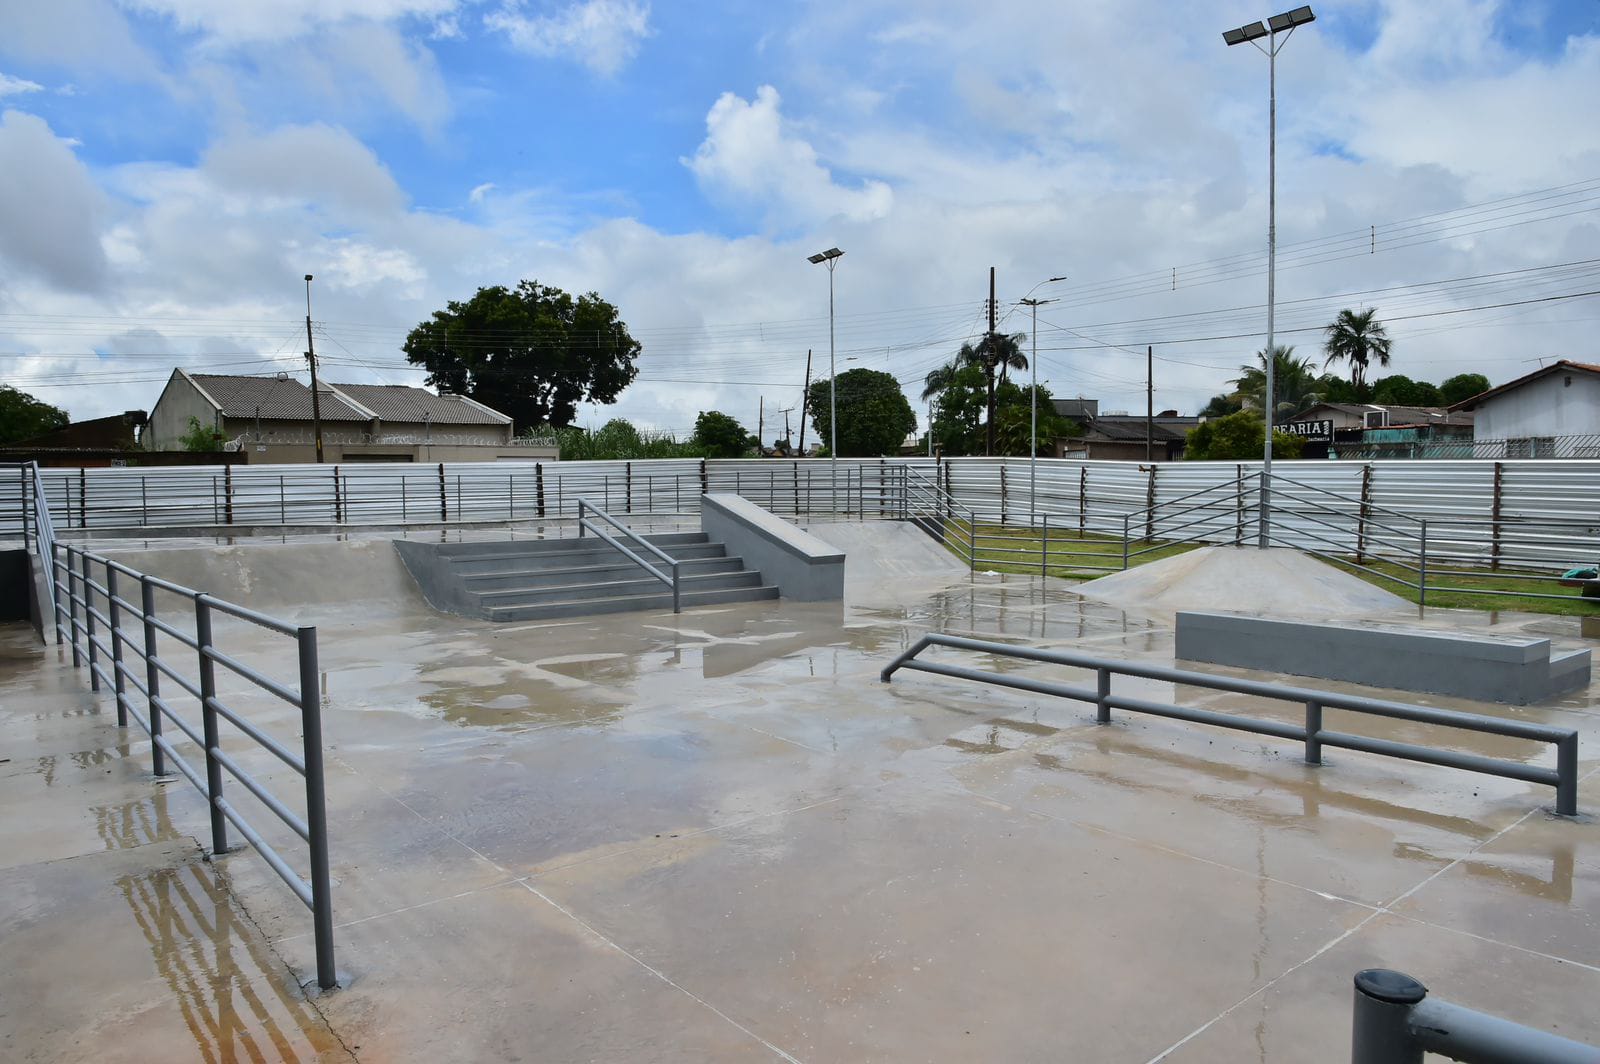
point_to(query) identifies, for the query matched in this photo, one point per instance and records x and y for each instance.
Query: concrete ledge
(1511, 670)
(799, 564)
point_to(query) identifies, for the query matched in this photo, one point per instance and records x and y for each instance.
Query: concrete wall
(1548, 406)
(800, 565)
(169, 420)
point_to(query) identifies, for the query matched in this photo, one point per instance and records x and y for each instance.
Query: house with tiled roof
(270, 419)
(1531, 414)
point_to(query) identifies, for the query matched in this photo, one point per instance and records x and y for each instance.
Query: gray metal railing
(934, 510)
(1395, 1022)
(95, 606)
(1564, 777)
(671, 576)
(1214, 514)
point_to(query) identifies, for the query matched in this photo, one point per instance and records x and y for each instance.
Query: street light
(1285, 24)
(831, 258)
(1033, 399)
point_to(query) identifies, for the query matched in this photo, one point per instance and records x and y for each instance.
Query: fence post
(72, 603)
(54, 577)
(1313, 733)
(88, 623)
(208, 714)
(338, 497)
(283, 502)
(227, 493)
(1102, 702)
(627, 487)
(511, 496)
(1150, 506)
(1363, 512)
(1044, 548)
(316, 807)
(1422, 569)
(444, 498)
(1002, 492)
(538, 485)
(152, 675)
(1083, 499)
(1494, 516)
(22, 489)
(1238, 507)
(704, 482)
(405, 517)
(461, 514)
(144, 504)
(1380, 1025)
(83, 497)
(114, 618)
(1125, 541)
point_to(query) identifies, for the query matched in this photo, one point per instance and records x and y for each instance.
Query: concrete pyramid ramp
(1277, 582)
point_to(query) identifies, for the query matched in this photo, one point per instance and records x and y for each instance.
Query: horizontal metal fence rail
(1564, 777)
(93, 609)
(671, 575)
(1395, 1022)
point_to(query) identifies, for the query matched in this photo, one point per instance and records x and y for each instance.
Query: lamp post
(311, 357)
(1285, 24)
(1033, 399)
(831, 259)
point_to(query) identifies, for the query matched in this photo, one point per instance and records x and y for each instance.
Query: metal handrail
(44, 536)
(1564, 777)
(74, 585)
(1395, 1022)
(674, 580)
(912, 481)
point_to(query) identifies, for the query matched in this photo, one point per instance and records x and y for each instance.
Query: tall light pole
(831, 258)
(1033, 399)
(1285, 24)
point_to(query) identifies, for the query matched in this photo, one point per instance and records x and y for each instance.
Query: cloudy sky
(169, 169)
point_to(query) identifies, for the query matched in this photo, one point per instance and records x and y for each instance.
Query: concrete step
(578, 554)
(605, 569)
(629, 603)
(641, 584)
(499, 547)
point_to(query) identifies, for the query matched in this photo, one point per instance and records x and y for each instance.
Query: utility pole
(805, 405)
(761, 425)
(311, 357)
(991, 357)
(1150, 403)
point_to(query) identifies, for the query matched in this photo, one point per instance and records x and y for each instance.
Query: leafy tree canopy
(1296, 386)
(1400, 390)
(532, 352)
(1357, 338)
(1238, 437)
(202, 437)
(874, 416)
(719, 435)
(616, 440)
(23, 417)
(1461, 387)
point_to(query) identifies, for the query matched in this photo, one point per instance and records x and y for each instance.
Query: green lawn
(1011, 549)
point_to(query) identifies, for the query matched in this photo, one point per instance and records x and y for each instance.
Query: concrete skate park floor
(716, 836)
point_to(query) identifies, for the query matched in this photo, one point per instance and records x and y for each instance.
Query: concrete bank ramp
(889, 554)
(280, 578)
(1276, 582)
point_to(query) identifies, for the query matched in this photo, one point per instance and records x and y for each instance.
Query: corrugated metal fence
(1493, 513)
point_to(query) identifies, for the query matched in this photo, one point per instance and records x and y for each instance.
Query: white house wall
(1548, 406)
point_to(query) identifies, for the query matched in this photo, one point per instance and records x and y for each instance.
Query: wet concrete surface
(716, 836)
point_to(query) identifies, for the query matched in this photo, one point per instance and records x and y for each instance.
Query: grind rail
(1564, 777)
(84, 607)
(671, 575)
(1395, 1022)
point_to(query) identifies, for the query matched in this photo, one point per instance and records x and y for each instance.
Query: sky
(171, 169)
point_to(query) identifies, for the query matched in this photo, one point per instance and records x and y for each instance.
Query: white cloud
(50, 208)
(237, 21)
(750, 157)
(603, 35)
(314, 164)
(480, 191)
(10, 86)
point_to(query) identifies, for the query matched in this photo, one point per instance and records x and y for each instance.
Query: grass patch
(1465, 592)
(1072, 555)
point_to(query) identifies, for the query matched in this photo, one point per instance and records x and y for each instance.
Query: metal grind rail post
(672, 576)
(1395, 1022)
(1564, 777)
(74, 581)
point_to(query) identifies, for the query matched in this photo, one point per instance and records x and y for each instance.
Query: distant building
(1535, 415)
(1374, 430)
(269, 419)
(1127, 437)
(101, 441)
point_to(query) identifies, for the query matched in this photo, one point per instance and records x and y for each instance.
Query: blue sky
(169, 169)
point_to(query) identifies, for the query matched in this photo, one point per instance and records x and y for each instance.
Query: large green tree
(1400, 390)
(996, 355)
(1461, 387)
(1296, 386)
(1357, 338)
(874, 415)
(719, 435)
(532, 352)
(1238, 437)
(23, 417)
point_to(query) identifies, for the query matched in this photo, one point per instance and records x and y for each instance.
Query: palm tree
(1295, 388)
(1357, 338)
(996, 351)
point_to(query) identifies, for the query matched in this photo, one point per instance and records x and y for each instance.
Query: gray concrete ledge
(800, 565)
(1501, 669)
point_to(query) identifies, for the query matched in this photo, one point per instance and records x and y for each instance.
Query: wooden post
(1083, 499)
(1150, 507)
(1364, 512)
(1002, 491)
(338, 497)
(83, 498)
(444, 498)
(627, 487)
(704, 488)
(227, 493)
(538, 484)
(1494, 515)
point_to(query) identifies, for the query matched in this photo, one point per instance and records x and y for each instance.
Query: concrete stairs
(551, 578)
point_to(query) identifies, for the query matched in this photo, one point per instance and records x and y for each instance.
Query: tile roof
(1545, 371)
(399, 402)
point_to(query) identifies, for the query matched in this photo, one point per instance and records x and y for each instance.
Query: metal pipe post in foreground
(152, 674)
(208, 715)
(1394, 1022)
(316, 807)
